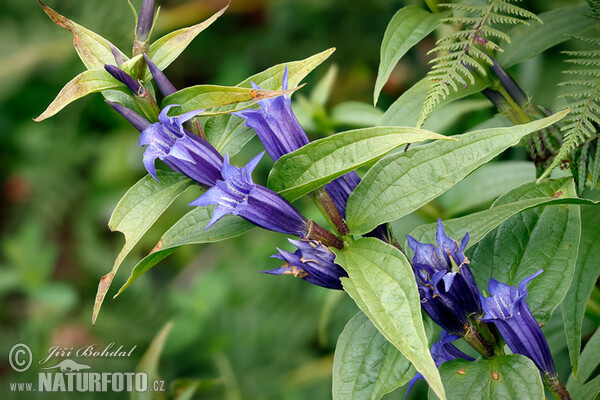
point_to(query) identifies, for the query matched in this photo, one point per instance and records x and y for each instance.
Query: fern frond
(581, 125)
(463, 53)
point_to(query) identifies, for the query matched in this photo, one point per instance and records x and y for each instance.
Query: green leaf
(90, 81)
(149, 364)
(93, 49)
(587, 270)
(355, 114)
(502, 377)
(382, 284)
(189, 230)
(210, 96)
(587, 386)
(541, 238)
(366, 365)
(489, 181)
(136, 212)
(166, 49)
(227, 132)
(407, 27)
(405, 111)
(481, 223)
(449, 114)
(402, 182)
(319, 162)
(530, 40)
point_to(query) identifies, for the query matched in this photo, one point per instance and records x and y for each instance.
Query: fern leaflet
(580, 126)
(462, 53)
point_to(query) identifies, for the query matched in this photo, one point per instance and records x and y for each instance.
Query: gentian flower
(145, 20)
(275, 123)
(441, 351)
(507, 309)
(123, 77)
(447, 288)
(312, 262)
(140, 123)
(180, 150)
(280, 133)
(235, 193)
(164, 85)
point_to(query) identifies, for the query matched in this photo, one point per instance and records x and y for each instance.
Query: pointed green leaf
(481, 223)
(541, 238)
(502, 377)
(587, 270)
(491, 180)
(406, 109)
(211, 96)
(407, 27)
(382, 283)
(366, 365)
(227, 132)
(90, 81)
(587, 384)
(136, 212)
(319, 162)
(402, 182)
(166, 49)
(189, 230)
(355, 114)
(93, 49)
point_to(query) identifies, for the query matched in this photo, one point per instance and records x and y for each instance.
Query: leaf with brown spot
(480, 379)
(93, 49)
(211, 96)
(90, 81)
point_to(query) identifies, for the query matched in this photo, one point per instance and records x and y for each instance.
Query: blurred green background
(236, 334)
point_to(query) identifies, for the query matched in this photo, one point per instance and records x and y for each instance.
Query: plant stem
(330, 211)
(316, 232)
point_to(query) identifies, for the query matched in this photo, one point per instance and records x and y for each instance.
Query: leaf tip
(103, 287)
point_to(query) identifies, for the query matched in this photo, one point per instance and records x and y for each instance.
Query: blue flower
(447, 288)
(145, 20)
(123, 77)
(275, 123)
(181, 150)
(164, 85)
(235, 193)
(441, 351)
(140, 123)
(280, 133)
(507, 309)
(312, 262)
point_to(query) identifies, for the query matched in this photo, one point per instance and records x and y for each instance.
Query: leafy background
(236, 333)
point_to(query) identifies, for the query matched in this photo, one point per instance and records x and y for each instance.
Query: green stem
(520, 116)
(477, 341)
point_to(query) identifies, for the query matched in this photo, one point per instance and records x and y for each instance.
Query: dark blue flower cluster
(452, 299)
(231, 188)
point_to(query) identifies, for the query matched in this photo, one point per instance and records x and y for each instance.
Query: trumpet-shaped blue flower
(312, 262)
(448, 290)
(164, 85)
(275, 123)
(441, 351)
(181, 150)
(507, 309)
(280, 132)
(235, 193)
